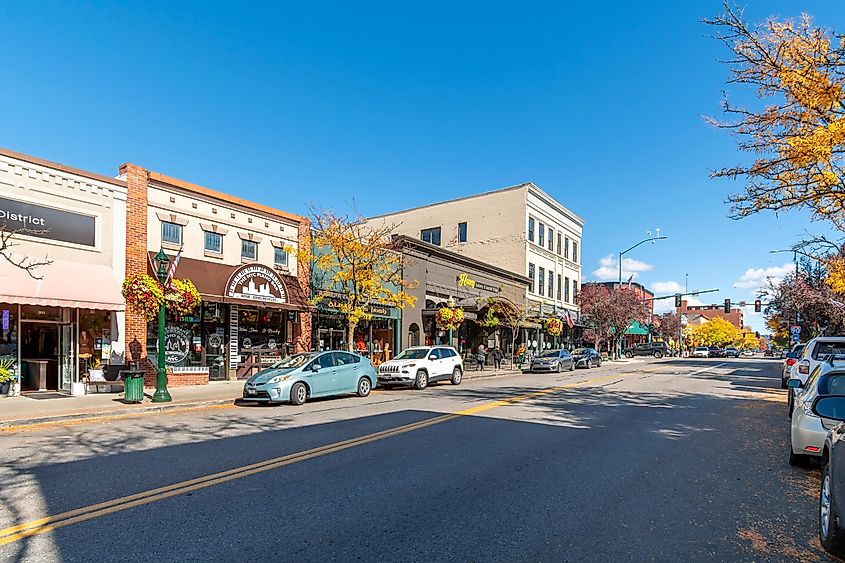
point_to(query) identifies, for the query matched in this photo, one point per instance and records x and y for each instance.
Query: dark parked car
(716, 352)
(552, 360)
(832, 490)
(586, 357)
(656, 349)
(769, 353)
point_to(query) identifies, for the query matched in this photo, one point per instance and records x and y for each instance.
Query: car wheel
(789, 407)
(831, 537)
(589, 363)
(298, 393)
(783, 383)
(559, 368)
(364, 387)
(629, 355)
(421, 381)
(658, 355)
(457, 376)
(798, 460)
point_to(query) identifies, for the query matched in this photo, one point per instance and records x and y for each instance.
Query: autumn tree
(669, 326)
(8, 241)
(715, 332)
(609, 312)
(356, 265)
(796, 133)
(807, 299)
(505, 312)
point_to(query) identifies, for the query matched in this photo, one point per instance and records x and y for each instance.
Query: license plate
(251, 391)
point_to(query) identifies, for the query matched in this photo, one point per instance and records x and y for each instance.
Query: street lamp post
(649, 239)
(161, 395)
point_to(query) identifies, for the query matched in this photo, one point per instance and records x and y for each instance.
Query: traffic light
(758, 306)
(757, 334)
(677, 300)
(727, 305)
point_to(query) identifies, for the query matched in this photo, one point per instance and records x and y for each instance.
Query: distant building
(636, 333)
(710, 312)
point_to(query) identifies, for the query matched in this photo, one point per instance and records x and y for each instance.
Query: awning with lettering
(62, 284)
(211, 280)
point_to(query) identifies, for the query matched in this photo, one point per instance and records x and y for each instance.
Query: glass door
(67, 356)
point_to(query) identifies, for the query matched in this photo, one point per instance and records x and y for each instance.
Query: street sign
(795, 331)
(684, 320)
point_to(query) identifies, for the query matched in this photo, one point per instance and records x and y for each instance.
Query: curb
(55, 419)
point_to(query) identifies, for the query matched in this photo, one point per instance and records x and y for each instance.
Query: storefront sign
(44, 222)
(465, 281)
(215, 341)
(4, 320)
(177, 345)
(256, 283)
(380, 310)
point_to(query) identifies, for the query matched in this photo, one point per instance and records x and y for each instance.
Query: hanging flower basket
(554, 326)
(143, 294)
(182, 297)
(449, 319)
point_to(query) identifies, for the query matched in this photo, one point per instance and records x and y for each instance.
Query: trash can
(133, 386)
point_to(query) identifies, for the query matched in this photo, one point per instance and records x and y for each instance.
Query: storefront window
(9, 330)
(94, 338)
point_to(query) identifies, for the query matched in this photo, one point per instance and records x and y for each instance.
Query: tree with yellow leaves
(715, 332)
(355, 267)
(798, 134)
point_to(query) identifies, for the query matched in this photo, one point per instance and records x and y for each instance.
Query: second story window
(462, 232)
(171, 233)
(566, 248)
(574, 251)
(531, 277)
(566, 290)
(558, 244)
(551, 239)
(213, 242)
(551, 285)
(280, 257)
(541, 281)
(558, 287)
(541, 235)
(531, 229)
(431, 236)
(575, 291)
(249, 250)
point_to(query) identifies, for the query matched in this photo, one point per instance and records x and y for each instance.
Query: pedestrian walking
(481, 356)
(520, 356)
(497, 357)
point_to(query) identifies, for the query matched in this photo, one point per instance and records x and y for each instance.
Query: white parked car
(808, 431)
(701, 352)
(815, 352)
(421, 365)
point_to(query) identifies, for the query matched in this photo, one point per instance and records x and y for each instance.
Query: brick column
(136, 254)
(302, 341)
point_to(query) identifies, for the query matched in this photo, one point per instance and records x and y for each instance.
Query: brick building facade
(735, 317)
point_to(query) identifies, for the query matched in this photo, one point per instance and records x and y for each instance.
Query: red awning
(62, 284)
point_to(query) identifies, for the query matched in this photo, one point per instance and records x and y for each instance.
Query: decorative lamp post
(161, 395)
(451, 303)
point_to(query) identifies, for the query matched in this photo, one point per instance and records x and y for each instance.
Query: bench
(112, 375)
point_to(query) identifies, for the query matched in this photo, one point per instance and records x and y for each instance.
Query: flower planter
(4, 388)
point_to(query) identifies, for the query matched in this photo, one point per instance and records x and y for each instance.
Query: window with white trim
(171, 232)
(249, 249)
(213, 242)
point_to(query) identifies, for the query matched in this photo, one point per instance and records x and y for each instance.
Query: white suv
(420, 365)
(815, 352)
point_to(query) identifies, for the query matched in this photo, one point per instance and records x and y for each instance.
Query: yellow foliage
(716, 332)
(836, 275)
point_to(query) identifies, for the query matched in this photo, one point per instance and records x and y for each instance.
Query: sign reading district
(45, 222)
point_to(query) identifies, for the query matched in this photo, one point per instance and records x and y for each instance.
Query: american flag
(172, 270)
(569, 322)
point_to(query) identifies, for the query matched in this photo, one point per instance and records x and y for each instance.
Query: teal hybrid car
(314, 374)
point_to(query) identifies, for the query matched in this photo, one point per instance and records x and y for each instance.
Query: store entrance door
(40, 356)
(330, 339)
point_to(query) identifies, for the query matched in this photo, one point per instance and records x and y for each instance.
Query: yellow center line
(49, 523)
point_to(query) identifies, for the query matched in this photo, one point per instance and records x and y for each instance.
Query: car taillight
(791, 361)
(804, 367)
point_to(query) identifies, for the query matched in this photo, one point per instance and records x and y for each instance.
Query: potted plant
(7, 374)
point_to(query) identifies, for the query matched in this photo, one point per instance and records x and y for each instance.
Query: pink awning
(62, 284)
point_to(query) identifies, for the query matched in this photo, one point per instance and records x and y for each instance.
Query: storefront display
(376, 339)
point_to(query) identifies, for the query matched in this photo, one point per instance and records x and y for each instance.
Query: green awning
(636, 328)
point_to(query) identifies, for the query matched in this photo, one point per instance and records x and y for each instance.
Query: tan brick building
(710, 312)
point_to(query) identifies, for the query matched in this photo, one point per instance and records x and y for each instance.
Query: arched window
(414, 335)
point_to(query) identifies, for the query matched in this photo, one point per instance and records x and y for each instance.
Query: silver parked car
(552, 360)
(807, 431)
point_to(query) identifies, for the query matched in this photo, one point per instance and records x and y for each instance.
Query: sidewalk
(24, 411)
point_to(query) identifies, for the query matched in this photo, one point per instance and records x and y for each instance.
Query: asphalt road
(669, 460)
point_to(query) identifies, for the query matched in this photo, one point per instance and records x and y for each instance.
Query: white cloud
(666, 287)
(664, 306)
(609, 268)
(757, 278)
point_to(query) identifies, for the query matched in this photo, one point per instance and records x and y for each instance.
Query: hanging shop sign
(256, 283)
(44, 222)
(177, 345)
(465, 281)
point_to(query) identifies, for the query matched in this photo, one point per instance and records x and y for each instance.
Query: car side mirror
(794, 383)
(830, 406)
(432, 357)
(315, 367)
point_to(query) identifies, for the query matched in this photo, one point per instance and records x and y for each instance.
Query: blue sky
(392, 105)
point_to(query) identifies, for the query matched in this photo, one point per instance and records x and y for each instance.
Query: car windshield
(702, 349)
(412, 354)
(580, 351)
(295, 361)
(731, 349)
(550, 354)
